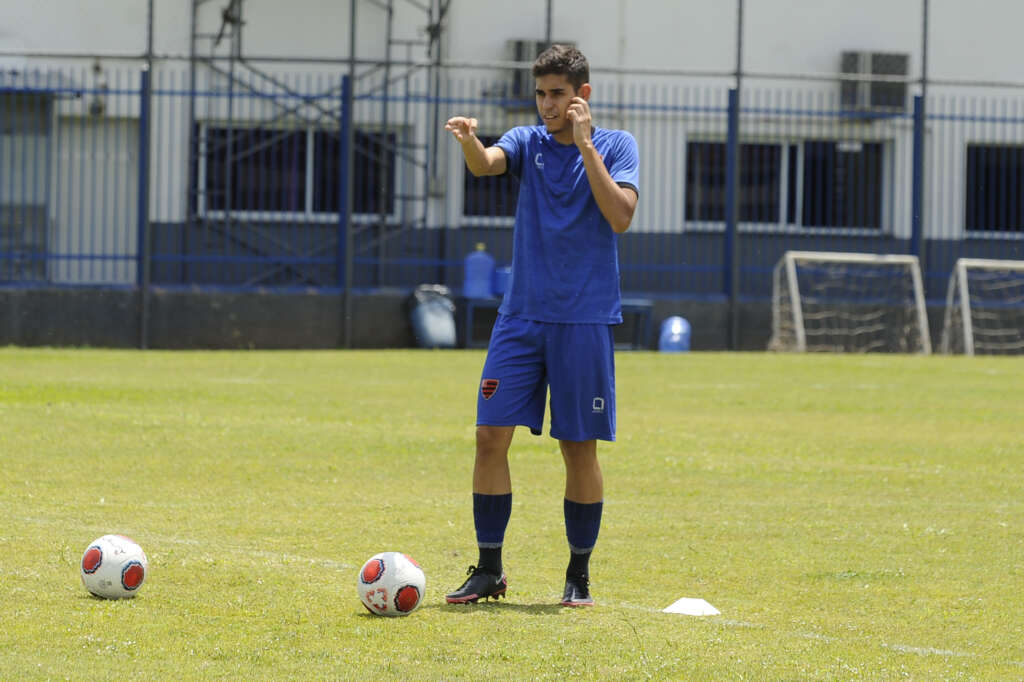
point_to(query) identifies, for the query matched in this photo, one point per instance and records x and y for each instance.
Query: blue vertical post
(349, 94)
(142, 245)
(917, 186)
(730, 263)
(344, 150)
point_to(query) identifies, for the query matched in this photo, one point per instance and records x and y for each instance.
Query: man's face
(554, 93)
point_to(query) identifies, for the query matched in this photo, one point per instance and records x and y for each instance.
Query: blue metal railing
(243, 182)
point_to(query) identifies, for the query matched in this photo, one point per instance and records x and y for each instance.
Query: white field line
(827, 639)
(284, 558)
(276, 557)
(150, 541)
(926, 650)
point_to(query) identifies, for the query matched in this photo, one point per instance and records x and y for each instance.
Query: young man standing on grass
(578, 191)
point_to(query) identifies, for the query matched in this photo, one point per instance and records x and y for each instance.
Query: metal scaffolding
(217, 54)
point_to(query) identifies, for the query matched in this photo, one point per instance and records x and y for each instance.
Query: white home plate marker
(691, 607)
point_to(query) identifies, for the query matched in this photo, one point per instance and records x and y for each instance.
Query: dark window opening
(269, 170)
(760, 174)
(492, 195)
(995, 188)
(373, 166)
(255, 169)
(842, 184)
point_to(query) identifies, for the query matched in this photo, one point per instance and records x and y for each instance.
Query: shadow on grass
(89, 596)
(496, 606)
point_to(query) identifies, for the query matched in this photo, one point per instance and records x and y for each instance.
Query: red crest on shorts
(488, 387)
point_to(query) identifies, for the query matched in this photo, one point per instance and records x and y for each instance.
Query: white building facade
(246, 120)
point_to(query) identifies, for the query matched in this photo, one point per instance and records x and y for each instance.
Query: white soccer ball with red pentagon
(114, 567)
(391, 584)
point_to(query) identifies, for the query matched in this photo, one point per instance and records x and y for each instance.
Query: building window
(842, 184)
(760, 174)
(268, 170)
(255, 169)
(373, 165)
(814, 183)
(492, 195)
(995, 188)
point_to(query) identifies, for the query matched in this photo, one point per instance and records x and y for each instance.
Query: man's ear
(584, 91)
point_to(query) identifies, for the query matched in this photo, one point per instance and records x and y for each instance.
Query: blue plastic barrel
(675, 335)
(479, 271)
(501, 280)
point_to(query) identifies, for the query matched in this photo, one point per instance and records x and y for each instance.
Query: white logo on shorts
(598, 405)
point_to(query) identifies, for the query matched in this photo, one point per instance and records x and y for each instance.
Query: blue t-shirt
(565, 258)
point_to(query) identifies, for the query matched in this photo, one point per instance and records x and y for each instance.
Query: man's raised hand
(461, 127)
(579, 114)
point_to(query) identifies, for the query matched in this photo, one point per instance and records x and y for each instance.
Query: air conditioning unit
(521, 85)
(863, 93)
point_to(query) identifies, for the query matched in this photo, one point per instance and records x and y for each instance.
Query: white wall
(74, 26)
(978, 41)
(93, 201)
(969, 40)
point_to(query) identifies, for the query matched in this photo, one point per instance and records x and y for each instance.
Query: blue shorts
(526, 357)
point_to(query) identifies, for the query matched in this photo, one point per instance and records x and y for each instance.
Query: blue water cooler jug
(479, 271)
(502, 280)
(675, 335)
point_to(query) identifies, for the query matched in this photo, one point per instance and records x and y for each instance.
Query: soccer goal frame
(789, 317)
(965, 314)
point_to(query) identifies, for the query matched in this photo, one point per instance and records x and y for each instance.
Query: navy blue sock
(579, 564)
(490, 516)
(582, 523)
(490, 560)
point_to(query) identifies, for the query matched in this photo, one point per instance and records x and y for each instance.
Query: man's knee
(578, 452)
(493, 441)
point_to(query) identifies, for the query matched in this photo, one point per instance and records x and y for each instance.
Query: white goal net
(848, 302)
(984, 307)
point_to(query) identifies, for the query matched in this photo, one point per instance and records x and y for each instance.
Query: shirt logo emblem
(538, 161)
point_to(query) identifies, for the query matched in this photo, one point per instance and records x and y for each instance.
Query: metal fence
(185, 177)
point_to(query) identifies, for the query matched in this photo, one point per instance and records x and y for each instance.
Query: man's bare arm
(480, 160)
(617, 203)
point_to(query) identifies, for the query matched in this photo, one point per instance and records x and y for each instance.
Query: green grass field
(852, 517)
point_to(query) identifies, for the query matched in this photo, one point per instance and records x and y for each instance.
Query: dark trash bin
(432, 314)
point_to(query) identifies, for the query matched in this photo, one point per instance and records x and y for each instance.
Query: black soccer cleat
(577, 591)
(479, 585)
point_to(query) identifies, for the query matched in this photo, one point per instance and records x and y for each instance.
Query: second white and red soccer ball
(114, 567)
(391, 584)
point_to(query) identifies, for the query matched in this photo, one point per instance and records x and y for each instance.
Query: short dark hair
(565, 60)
